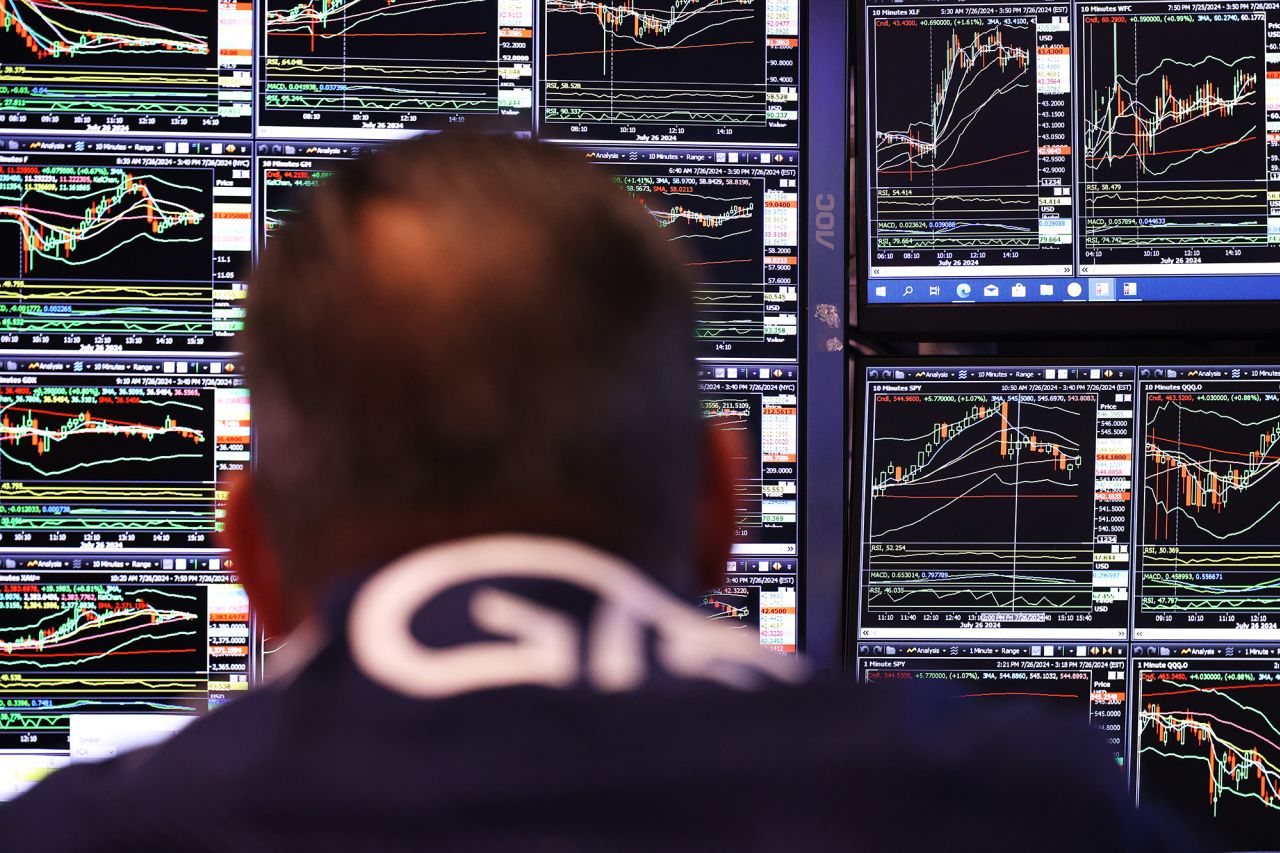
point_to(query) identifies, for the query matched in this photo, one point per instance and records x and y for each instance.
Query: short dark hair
(483, 327)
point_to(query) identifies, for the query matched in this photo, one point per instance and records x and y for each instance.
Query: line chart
(116, 441)
(398, 66)
(982, 76)
(1211, 488)
(1208, 746)
(284, 185)
(105, 628)
(763, 605)
(1174, 158)
(738, 230)
(678, 71)
(47, 688)
(52, 29)
(1213, 468)
(1025, 452)
(1031, 578)
(1091, 688)
(46, 723)
(721, 230)
(130, 66)
(764, 412)
(86, 222)
(736, 607)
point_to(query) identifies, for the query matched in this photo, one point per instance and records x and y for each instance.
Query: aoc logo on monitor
(824, 222)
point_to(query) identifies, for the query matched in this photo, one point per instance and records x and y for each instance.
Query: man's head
(460, 335)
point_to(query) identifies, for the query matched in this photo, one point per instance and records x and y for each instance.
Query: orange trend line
(130, 6)
(968, 497)
(1174, 151)
(371, 35)
(957, 166)
(634, 49)
(1155, 437)
(1021, 693)
(1208, 689)
(76, 414)
(82, 654)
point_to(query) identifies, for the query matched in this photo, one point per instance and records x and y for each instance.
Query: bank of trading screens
(148, 151)
(1069, 152)
(1099, 539)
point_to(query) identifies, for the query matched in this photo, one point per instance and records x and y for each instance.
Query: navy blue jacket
(523, 694)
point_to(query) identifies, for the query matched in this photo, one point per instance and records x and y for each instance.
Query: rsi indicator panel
(184, 66)
(760, 403)
(1086, 681)
(117, 455)
(1205, 738)
(1082, 152)
(735, 215)
(760, 597)
(378, 69)
(996, 502)
(76, 215)
(679, 71)
(98, 646)
(1208, 559)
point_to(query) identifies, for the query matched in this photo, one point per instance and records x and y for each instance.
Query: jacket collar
(505, 598)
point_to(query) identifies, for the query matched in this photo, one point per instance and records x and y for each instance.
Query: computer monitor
(1071, 167)
(146, 160)
(1093, 537)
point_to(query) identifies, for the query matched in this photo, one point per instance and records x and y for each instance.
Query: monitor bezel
(981, 321)
(855, 518)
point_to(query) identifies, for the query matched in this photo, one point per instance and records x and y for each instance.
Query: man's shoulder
(585, 770)
(145, 799)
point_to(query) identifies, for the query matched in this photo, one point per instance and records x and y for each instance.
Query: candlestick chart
(403, 65)
(128, 65)
(738, 235)
(85, 222)
(83, 465)
(1174, 139)
(979, 504)
(135, 441)
(955, 135)
(177, 34)
(765, 492)
(981, 468)
(73, 274)
(679, 71)
(102, 628)
(733, 607)
(1209, 747)
(1211, 491)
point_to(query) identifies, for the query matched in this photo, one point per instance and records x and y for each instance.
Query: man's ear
(723, 457)
(253, 559)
